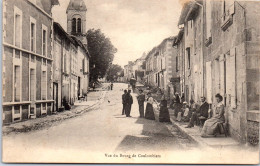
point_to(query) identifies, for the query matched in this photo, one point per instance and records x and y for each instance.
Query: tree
(102, 53)
(114, 72)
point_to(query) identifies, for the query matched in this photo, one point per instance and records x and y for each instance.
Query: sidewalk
(49, 120)
(194, 133)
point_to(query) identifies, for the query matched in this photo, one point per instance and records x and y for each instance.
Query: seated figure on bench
(199, 114)
(211, 126)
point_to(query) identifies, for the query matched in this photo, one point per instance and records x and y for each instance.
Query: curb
(48, 123)
(186, 134)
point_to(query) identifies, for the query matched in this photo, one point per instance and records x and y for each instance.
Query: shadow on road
(154, 136)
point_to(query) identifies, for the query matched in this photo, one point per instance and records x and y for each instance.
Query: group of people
(127, 101)
(202, 114)
(193, 113)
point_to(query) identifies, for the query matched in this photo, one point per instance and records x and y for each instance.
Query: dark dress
(149, 114)
(164, 115)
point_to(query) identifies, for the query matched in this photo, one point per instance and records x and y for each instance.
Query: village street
(94, 134)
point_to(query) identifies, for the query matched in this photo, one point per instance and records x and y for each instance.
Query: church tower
(76, 18)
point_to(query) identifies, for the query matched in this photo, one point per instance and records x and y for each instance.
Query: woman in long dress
(210, 127)
(164, 115)
(149, 114)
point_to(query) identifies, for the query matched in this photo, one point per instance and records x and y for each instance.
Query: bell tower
(76, 18)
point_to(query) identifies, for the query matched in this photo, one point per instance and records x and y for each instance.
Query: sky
(133, 26)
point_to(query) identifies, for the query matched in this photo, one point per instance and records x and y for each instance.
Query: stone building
(222, 56)
(27, 59)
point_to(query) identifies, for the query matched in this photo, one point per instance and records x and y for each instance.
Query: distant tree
(114, 72)
(102, 53)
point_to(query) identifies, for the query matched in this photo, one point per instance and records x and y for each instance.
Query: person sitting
(177, 106)
(186, 114)
(210, 127)
(201, 113)
(182, 111)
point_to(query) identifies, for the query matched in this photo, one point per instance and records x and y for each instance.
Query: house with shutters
(27, 59)
(221, 55)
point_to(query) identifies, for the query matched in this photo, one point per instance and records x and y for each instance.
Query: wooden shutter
(233, 77)
(209, 82)
(222, 74)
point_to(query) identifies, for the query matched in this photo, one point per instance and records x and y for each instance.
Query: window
(17, 83)
(44, 85)
(83, 65)
(17, 27)
(208, 19)
(33, 34)
(79, 25)
(177, 63)
(188, 57)
(73, 25)
(44, 40)
(32, 84)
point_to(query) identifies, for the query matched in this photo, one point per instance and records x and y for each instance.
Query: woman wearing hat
(210, 127)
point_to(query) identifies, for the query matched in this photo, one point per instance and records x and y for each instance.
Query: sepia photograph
(130, 81)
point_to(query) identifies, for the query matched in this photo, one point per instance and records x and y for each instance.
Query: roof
(79, 43)
(179, 37)
(188, 11)
(77, 5)
(61, 30)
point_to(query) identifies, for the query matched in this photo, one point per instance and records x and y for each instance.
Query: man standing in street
(202, 113)
(129, 100)
(141, 99)
(124, 102)
(111, 85)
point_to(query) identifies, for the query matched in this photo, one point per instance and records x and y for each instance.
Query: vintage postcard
(130, 81)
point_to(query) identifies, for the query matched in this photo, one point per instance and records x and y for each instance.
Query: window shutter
(233, 77)
(209, 81)
(222, 74)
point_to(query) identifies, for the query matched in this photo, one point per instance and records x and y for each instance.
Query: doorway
(55, 97)
(78, 88)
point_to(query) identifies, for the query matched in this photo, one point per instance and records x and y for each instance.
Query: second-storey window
(33, 34)
(44, 40)
(18, 27)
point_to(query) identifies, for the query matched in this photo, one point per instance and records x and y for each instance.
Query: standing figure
(149, 114)
(129, 101)
(124, 102)
(210, 127)
(111, 85)
(164, 115)
(141, 99)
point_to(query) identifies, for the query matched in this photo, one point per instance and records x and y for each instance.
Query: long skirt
(149, 114)
(164, 115)
(211, 126)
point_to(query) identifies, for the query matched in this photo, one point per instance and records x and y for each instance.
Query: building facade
(221, 53)
(27, 66)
